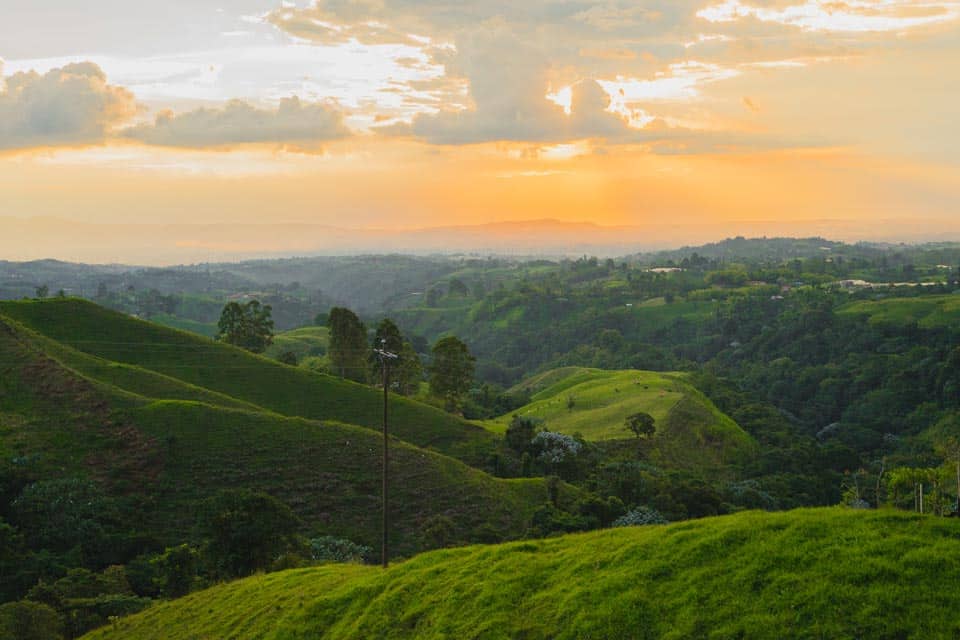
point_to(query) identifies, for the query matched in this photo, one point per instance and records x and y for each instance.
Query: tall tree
(409, 370)
(406, 371)
(452, 369)
(348, 348)
(249, 326)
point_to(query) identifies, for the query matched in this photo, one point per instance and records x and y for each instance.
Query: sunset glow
(803, 116)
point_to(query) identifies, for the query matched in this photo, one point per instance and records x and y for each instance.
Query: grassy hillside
(302, 342)
(65, 414)
(690, 429)
(816, 573)
(929, 311)
(230, 371)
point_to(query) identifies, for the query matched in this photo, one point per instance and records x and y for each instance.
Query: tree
(409, 371)
(388, 337)
(348, 349)
(27, 620)
(249, 326)
(641, 424)
(247, 531)
(520, 432)
(456, 287)
(43, 291)
(452, 369)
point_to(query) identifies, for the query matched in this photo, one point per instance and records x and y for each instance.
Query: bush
(639, 517)
(331, 549)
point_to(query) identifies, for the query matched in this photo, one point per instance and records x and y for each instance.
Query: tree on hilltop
(248, 326)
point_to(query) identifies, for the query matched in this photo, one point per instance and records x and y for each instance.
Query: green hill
(595, 403)
(168, 445)
(814, 573)
(929, 311)
(245, 377)
(303, 342)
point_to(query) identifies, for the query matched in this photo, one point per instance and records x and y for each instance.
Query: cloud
(293, 123)
(817, 15)
(69, 105)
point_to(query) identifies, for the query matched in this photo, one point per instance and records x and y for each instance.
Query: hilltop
(168, 444)
(226, 370)
(812, 573)
(595, 403)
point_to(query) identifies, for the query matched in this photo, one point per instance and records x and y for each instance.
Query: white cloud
(69, 105)
(829, 15)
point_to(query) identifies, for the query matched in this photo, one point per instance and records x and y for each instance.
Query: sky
(196, 129)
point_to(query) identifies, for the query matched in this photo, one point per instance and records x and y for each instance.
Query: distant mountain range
(159, 244)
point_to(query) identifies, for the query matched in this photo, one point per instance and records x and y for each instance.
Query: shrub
(640, 516)
(331, 549)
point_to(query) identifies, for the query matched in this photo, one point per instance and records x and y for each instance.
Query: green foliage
(247, 531)
(67, 513)
(248, 326)
(176, 570)
(348, 351)
(452, 369)
(332, 549)
(27, 620)
(641, 424)
(406, 371)
(828, 573)
(520, 433)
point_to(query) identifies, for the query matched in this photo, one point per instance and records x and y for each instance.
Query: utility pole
(385, 358)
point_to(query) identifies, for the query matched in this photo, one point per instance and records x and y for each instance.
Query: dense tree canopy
(348, 350)
(452, 369)
(249, 326)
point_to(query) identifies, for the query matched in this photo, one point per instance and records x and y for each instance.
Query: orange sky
(687, 121)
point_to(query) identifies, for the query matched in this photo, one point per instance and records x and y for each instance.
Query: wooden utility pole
(385, 358)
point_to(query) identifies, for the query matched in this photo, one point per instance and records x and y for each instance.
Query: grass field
(813, 573)
(601, 400)
(173, 444)
(690, 429)
(930, 311)
(302, 342)
(206, 329)
(244, 377)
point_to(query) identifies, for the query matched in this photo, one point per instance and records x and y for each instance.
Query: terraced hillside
(595, 403)
(115, 338)
(168, 445)
(813, 573)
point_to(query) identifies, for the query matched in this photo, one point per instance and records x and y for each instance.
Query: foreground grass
(814, 573)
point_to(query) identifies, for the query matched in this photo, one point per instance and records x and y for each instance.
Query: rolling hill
(171, 444)
(812, 573)
(691, 431)
(215, 367)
